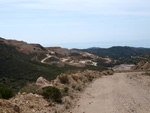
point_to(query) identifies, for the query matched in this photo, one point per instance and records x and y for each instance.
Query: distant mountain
(117, 51)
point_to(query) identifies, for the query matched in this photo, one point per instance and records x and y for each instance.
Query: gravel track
(114, 94)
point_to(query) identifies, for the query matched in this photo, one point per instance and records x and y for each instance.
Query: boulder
(43, 83)
(143, 65)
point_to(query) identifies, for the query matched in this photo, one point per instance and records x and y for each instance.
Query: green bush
(64, 79)
(66, 89)
(6, 93)
(52, 93)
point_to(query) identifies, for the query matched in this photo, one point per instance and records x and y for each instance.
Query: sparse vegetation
(78, 88)
(6, 93)
(147, 74)
(30, 88)
(73, 86)
(90, 78)
(41, 56)
(64, 79)
(66, 89)
(110, 72)
(53, 94)
(51, 59)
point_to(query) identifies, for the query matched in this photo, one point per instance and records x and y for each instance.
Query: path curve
(48, 56)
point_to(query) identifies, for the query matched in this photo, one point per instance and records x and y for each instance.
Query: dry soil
(119, 93)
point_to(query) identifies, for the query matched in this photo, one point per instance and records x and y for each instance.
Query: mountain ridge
(117, 52)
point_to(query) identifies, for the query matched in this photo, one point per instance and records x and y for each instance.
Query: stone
(16, 108)
(43, 83)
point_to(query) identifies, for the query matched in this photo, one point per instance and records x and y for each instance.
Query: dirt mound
(143, 65)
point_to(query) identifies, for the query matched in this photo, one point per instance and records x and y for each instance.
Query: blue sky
(77, 23)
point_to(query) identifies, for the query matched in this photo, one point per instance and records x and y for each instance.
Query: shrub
(52, 93)
(64, 79)
(78, 88)
(66, 89)
(73, 86)
(90, 78)
(6, 93)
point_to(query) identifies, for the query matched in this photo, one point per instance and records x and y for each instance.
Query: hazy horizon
(91, 44)
(77, 23)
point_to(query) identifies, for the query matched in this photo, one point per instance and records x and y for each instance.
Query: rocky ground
(34, 103)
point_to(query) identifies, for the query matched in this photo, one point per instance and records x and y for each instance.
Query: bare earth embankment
(119, 93)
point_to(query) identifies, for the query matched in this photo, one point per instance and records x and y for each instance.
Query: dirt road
(48, 56)
(115, 94)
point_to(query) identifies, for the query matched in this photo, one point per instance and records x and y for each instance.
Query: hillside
(118, 51)
(22, 63)
(17, 68)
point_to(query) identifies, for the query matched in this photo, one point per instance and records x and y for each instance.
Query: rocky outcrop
(42, 83)
(143, 65)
